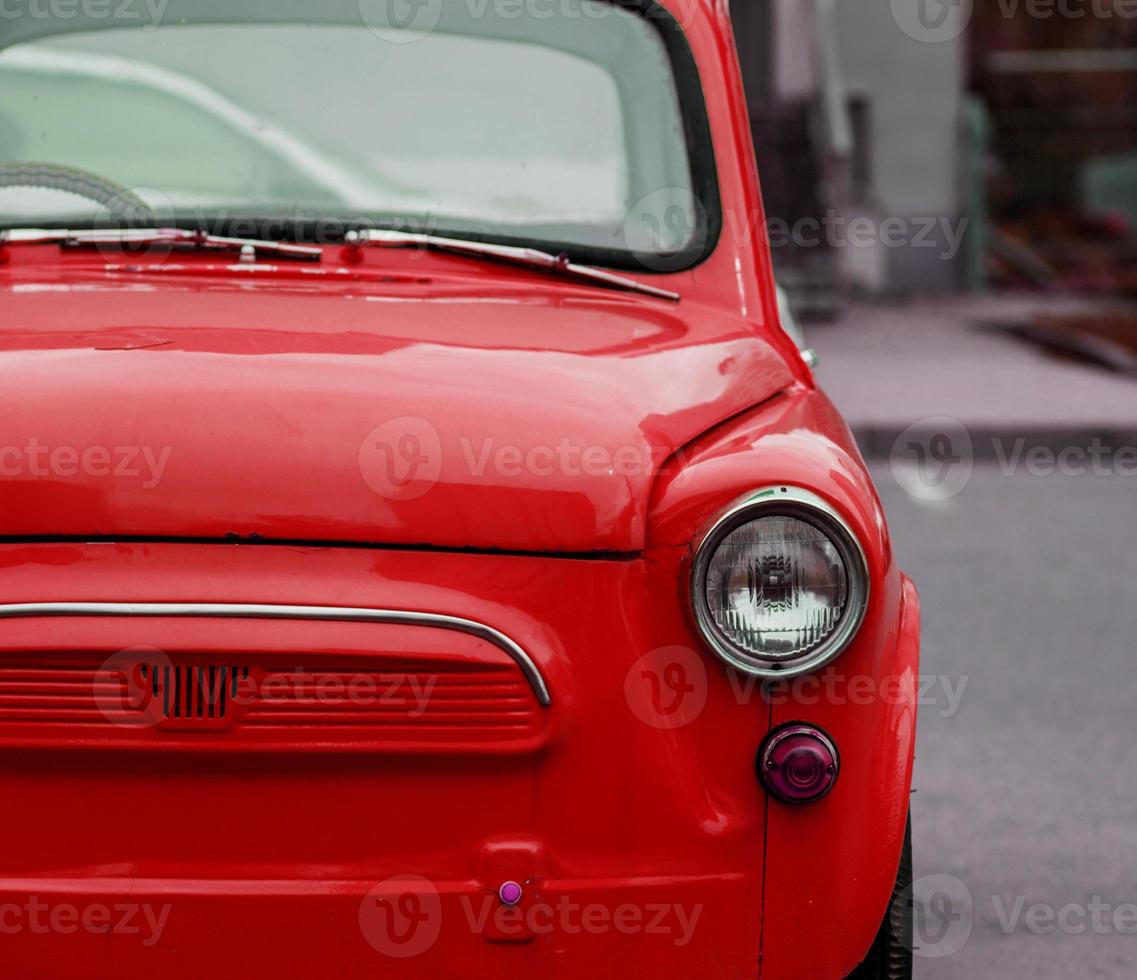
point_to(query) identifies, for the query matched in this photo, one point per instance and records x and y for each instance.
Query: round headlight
(779, 584)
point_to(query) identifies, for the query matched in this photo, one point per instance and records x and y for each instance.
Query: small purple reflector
(798, 764)
(509, 893)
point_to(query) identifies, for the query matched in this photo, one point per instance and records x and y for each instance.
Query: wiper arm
(530, 258)
(248, 248)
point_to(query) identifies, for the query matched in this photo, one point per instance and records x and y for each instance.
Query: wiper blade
(247, 248)
(530, 258)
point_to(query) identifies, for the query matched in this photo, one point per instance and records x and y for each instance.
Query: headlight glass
(779, 584)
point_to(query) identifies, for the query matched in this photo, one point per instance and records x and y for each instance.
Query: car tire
(891, 955)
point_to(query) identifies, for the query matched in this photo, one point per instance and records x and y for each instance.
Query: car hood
(150, 409)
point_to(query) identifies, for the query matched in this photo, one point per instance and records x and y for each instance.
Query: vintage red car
(422, 551)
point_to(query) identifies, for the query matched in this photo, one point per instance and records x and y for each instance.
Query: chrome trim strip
(808, 506)
(343, 614)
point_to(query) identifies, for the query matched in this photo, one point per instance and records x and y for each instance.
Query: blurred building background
(1005, 146)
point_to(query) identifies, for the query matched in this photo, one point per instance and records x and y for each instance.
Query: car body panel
(290, 846)
(540, 422)
(843, 853)
(831, 865)
(256, 846)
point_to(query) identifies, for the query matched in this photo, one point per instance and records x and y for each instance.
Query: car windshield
(563, 127)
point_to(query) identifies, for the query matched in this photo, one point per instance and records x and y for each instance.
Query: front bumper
(341, 838)
(367, 833)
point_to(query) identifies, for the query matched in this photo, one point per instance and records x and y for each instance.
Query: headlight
(779, 584)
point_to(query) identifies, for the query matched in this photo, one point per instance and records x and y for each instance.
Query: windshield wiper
(183, 238)
(250, 248)
(530, 258)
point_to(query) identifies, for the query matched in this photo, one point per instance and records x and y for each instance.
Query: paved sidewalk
(888, 367)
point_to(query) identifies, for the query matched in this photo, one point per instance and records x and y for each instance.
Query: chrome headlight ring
(807, 507)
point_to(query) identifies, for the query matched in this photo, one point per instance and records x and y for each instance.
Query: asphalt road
(1025, 810)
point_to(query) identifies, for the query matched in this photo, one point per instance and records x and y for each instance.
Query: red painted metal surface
(352, 839)
(289, 415)
(833, 862)
(611, 810)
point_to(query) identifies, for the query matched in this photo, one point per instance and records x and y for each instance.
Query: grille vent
(393, 704)
(189, 693)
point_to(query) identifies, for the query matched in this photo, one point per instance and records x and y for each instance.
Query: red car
(423, 552)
